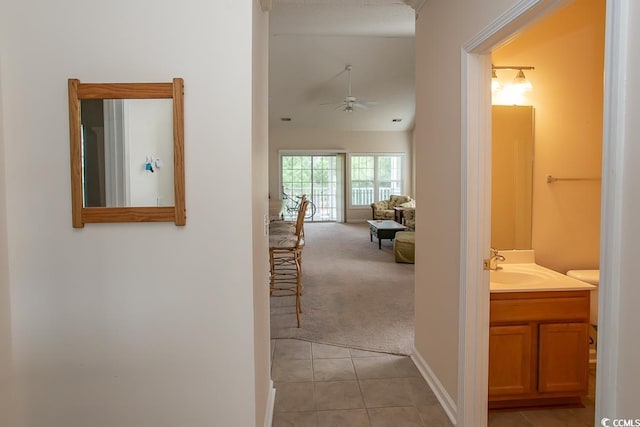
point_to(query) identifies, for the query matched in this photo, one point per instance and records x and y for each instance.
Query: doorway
(478, 240)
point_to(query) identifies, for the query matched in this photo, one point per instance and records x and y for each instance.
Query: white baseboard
(271, 400)
(445, 400)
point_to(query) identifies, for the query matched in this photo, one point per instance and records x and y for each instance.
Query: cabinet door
(563, 357)
(510, 365)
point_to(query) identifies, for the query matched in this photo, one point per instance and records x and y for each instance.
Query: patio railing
(324, 199)
(366, 196)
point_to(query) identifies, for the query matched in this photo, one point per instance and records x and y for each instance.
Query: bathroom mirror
(511, 176)
(127, 152)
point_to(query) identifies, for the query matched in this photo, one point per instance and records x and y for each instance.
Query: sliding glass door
(317, 176)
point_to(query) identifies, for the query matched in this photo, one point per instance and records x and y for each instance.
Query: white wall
(344, 141)
(629, 315)
(260, 135)
(129, 324)
(438, 171)
(6, 368)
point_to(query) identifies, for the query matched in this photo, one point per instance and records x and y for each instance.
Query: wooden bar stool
(285, 260)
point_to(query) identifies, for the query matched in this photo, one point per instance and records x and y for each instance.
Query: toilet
(593, 278)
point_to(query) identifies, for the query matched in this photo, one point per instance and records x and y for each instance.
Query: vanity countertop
(531, 277)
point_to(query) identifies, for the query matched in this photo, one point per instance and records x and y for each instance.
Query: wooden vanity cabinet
(538, 348)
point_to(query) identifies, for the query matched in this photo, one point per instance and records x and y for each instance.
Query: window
(375, 177)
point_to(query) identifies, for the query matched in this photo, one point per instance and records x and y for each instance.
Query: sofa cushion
(385, 214)
(397, 200)
(381, 205)
(404, 246)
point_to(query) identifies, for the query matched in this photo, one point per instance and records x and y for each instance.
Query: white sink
(531, 277)
(507, 277)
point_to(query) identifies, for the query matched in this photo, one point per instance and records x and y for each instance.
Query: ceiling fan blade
(350, 102)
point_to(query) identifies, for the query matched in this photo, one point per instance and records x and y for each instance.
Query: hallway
(319, 385)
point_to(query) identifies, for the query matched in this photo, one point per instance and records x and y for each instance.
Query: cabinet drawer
(539, 306)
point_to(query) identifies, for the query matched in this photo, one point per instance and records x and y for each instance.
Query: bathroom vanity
(538, 337)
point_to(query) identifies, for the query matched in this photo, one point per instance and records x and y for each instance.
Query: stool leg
(298, 288)
(272, 272)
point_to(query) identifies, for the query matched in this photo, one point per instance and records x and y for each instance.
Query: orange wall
(567, 51)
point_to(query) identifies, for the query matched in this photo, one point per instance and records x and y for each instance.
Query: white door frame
(116, 149)
(476, 196)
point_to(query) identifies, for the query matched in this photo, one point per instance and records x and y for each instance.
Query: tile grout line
(313, 380)
(364, 403)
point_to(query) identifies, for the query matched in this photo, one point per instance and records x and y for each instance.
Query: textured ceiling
(311, 43)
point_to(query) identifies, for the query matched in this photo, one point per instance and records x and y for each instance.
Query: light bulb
(495, 84)
(521, 82)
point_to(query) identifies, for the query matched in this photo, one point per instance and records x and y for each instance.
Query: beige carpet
(355, 295)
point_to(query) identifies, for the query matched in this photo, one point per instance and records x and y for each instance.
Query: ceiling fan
(350, 102)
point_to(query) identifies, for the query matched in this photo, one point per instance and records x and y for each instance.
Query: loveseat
(384, 208)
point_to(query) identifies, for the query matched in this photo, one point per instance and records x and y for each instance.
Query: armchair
(409, 218)
(384, 208)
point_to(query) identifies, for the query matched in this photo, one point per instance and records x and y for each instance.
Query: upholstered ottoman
(404, 246)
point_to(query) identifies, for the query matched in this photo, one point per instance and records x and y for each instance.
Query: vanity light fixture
(495, 84)
(520, 81)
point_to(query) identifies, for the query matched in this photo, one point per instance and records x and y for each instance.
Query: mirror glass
(127, 152)
(511, 176)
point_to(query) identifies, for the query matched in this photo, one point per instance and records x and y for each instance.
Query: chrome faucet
(492, 262)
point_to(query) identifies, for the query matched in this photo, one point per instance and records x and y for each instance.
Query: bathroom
(566, 51)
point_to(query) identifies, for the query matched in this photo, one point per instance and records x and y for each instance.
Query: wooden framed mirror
(127, 152)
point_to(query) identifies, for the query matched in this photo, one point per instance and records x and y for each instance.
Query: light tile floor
(319, 385)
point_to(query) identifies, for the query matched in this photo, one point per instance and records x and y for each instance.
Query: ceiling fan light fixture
(350, 103)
